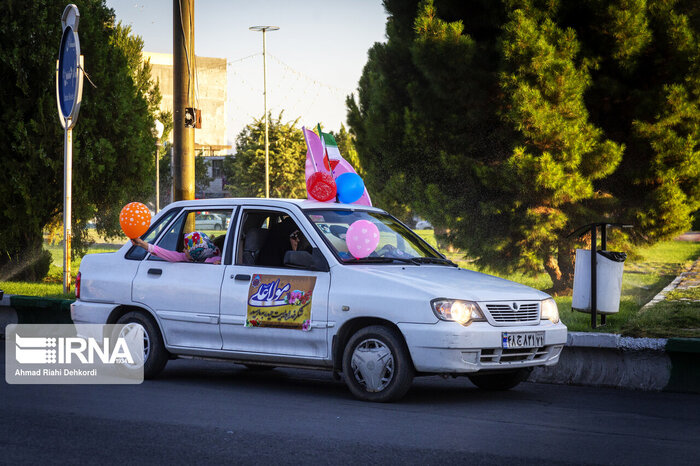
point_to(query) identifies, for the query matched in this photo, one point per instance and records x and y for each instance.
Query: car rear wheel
(218, 227)
(500, 380)
(376, 365)
(155, 356)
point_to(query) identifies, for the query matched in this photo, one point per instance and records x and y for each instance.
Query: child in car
(197, 248)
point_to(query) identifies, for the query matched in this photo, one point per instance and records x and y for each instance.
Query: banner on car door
(282, 301)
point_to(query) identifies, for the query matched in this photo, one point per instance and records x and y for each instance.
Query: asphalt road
(210, 412)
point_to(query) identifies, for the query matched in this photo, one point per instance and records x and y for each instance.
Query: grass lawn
(646, 273)
(52, 285)
(692, 294)
(666, 319)
(47, 290)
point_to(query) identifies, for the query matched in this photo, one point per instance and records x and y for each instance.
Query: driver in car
(299, 242)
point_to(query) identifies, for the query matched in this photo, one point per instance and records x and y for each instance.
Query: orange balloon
(135, 218)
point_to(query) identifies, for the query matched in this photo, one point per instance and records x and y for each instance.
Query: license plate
(523, 340)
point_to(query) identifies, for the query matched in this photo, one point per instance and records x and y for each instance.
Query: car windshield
(390, 242)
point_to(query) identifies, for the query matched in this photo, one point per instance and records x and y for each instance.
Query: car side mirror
(305, 260)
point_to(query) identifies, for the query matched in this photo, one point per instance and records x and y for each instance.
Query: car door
(267, 308)
(184, 295)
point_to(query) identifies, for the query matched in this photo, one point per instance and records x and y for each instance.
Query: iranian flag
(331, 154)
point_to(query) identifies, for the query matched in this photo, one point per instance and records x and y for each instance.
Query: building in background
(210, 84)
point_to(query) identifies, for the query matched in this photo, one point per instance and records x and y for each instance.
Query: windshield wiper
(381, 260)
(434, 260)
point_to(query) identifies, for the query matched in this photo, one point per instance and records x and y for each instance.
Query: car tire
(377, 365)
(500, 380)
(155, 354)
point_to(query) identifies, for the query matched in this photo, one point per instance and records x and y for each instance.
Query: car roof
(272, 202)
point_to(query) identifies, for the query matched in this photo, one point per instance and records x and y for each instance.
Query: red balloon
(321, 186)
(135, 218)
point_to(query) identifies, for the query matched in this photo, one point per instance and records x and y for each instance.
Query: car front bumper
(448, 347)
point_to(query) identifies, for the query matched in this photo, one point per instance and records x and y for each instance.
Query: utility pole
(267, 142)
(183, 99)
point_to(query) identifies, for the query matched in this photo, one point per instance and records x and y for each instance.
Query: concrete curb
(15, 309)
(611, 360)
(7, 314)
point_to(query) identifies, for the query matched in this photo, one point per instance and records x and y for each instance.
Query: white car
(211, 221)
(401, 312)
(423, 225)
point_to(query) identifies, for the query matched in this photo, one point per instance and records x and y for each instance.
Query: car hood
(450, 282)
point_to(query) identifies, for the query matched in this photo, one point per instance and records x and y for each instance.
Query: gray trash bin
(609, 268)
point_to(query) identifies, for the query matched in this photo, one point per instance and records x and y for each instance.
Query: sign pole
(69, 91)
(68, 192)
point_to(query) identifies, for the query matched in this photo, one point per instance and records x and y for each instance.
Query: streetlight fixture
(264, 29)
(158, 128)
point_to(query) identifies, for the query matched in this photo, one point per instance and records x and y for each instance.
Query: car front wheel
(376, 365)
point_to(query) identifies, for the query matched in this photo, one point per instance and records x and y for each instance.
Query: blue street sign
(68, 63)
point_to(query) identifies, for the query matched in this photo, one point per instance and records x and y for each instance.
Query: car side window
(171, 240)
(213, 223)
(266, 235)
(137, 253)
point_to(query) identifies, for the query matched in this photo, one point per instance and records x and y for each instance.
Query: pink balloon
(362, 238)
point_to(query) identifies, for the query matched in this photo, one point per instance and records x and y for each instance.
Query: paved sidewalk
(691, 278)
(690, 236)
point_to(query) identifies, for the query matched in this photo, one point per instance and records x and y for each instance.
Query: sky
(313, 62)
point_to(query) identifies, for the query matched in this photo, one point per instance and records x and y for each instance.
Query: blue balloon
(350, 187)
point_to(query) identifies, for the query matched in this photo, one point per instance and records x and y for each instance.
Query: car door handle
(241, 277)
(155, 272)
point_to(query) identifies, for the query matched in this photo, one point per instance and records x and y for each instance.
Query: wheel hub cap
(373, 365)
(132, 333)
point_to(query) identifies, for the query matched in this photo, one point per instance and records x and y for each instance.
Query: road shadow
(424, 390)
(227, 375)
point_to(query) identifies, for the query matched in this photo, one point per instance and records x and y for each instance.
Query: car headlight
(549, 311)
(457, 310)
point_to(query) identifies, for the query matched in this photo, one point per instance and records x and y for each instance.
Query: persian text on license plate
(523, 340)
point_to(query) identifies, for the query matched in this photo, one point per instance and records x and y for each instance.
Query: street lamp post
(158, 128)
(267, 143)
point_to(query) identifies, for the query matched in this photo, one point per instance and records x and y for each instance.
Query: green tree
(646, 94)
(245, 171)
(112, 141)
(511, 123)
